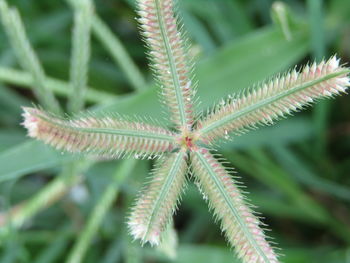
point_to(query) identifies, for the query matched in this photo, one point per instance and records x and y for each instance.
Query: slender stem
(26, 56)
(80, 53)
(59, 87)
(80, 247)
(19, 214)
(118, 53)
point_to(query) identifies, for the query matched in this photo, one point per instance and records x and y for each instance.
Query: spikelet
(107, 137)
(241, 227)
(276, 98)
(169, 59)
(158, 201)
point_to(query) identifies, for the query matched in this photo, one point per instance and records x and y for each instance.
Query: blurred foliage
(297, 171)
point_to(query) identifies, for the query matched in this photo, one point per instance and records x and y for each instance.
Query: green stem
(118, 53)
(19, 214)
(59, 87)
(80, 247)
(26, 56)
(83, 13)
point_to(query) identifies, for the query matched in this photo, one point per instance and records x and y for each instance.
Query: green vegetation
(54, 206)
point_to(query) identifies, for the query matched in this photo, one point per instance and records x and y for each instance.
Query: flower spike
(186, 148)
(107, 137)
(276, 98)
(155, 206)
(169, 59)
(241, 227)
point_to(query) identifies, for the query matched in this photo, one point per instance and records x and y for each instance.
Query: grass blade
(305, 175)
(20, 160)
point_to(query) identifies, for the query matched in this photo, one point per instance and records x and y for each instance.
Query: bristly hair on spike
(185, 148)
(158, 201)
(106, 137)
(280, 96)
(241, 226)
(169, 59)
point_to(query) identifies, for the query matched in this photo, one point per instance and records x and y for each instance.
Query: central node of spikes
(188, 141)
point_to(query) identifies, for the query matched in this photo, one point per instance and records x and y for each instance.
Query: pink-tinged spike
(169, 59)
(274, 99)
(107, 137)
(238, 222)
(158, 201)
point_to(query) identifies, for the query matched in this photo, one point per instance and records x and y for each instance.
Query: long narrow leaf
(29, 157)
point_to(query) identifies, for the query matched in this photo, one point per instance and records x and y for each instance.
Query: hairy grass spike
(107, 137)
(115, 137)
(169, 58)
(156, 204)
(241, 227)
(276, 98)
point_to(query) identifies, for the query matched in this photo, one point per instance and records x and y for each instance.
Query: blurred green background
(297, 172)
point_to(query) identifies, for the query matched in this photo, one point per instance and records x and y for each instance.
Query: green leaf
(285, 132)
(299, 169)
(10, 100)
(263, 53)
(10, 137)
(192, 253)
(28, 157)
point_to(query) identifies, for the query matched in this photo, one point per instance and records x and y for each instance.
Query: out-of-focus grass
(297, 171)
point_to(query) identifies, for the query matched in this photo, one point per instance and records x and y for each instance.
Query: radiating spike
(276, 98)
(172, 68)
(157, 202)
(241, 227)
(106, 137)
